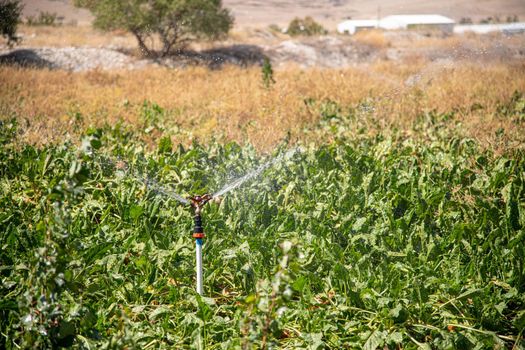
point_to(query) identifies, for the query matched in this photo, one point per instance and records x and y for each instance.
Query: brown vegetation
(373, 38)
(63, 36)
(232, 104)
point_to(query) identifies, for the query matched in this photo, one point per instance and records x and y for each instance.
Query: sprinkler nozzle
(197, 202)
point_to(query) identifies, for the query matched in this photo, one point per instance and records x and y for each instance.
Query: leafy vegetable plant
(365, 242)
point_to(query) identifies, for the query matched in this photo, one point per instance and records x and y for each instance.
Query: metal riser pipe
(197, 203)
(198, 254)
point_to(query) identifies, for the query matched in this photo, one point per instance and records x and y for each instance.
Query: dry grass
(468, 47)
(63, 36)
(473, 40)
(67, 35)
(80, 36)
(373, 38)
(231, 104)
(472, 91)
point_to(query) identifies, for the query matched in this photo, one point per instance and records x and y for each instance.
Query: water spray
(197, 202)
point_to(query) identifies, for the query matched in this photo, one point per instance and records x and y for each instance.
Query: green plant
(514, 109)
(10, 11)
(366, 241)
(267, 73)
(44, 19)
(307, 26)
(175, 22)
(490, 20)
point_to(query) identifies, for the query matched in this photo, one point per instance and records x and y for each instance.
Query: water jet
(197, 202)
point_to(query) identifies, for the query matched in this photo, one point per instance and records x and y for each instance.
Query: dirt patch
(330, 52)
(324, 52)
(74, 59)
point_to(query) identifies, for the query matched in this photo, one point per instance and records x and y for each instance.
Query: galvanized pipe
(197, 203)
(198, 254)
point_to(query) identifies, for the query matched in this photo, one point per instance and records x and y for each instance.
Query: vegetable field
(366, 241)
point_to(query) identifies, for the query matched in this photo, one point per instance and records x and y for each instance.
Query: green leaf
(299, 283)
(358, 224)
(135, 211)
(501, 307)
(399, 314)
(314, 340)
(165, 145)
(251, 299)
(395, 337)
(519, 321)
(158, 312)
(376, 340)
(66, 329)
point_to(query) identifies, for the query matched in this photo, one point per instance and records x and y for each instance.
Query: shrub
(44, 19)
(267, 73)
(10, 11)
(307, 26)
(490, 20)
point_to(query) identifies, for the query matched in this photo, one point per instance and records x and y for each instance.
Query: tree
(174, 22)
(10, 11)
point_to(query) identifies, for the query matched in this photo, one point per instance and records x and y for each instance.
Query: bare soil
(331, 51)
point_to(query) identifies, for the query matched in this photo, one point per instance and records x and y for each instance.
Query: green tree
(174, 22)
(10, 11)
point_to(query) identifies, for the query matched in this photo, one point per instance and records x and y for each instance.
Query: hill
(262, 13)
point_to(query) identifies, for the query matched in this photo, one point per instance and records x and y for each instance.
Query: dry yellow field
(232, 103)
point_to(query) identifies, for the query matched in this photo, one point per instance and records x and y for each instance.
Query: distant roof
(361, 22)
(351, 26)
(393, 22)
(403, 21)
(419, 19)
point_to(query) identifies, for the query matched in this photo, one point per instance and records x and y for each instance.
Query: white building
(417, 22)
(354, 26)
(399, 22)
(505, 28)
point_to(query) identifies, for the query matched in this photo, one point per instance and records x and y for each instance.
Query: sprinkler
(197, 202)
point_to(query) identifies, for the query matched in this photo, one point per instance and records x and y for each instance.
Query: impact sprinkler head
(197, 202)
